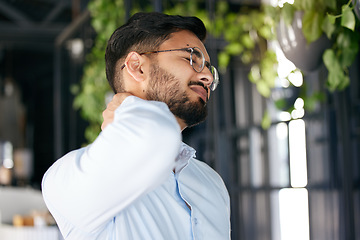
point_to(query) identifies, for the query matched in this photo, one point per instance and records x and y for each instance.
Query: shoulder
(204, 183)
(204, 168)
(207, 175)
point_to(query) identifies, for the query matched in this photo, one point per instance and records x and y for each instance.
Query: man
(137, 180)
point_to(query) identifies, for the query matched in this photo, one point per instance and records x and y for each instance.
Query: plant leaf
(266, 120)
(222, 7)
(348, 39)
(330, 61)
(234, 48)
(343, 40)
(254, 74)
(348, 18)
(336, 76)
(344, 83)
(312, 25)
(247, 57)
(246, 41)
(337, 80)
(287, 12)
(307, 5)
(263, 89)
(347, 57)
(266, 32)
(271, 12)
(331, 4)
(280, 104)
(311, 101)
(224, 59)
(331, 18)
(328, 26)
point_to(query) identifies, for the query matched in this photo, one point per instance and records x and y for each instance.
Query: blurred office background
(298, 177)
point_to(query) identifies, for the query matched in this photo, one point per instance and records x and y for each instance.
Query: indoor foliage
(245, 31)
(90, 94)
(337, 20)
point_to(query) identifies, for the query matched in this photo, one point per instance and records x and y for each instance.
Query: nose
(206, 77)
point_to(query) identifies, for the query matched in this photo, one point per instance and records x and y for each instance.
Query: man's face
(173, 80)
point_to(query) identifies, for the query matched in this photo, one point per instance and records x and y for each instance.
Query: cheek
(180, 69)
(183, 73)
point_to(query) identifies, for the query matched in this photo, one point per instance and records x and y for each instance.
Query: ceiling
(35, 24)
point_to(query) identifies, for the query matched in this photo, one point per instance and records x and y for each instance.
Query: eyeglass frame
(211, 68)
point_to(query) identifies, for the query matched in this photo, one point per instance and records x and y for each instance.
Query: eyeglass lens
(215, 81)
(197, 60)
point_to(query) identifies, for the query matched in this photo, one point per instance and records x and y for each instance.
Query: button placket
(194, 220)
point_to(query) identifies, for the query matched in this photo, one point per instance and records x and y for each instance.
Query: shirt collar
(185, 153)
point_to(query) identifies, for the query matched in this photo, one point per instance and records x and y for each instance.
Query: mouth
(201, 91)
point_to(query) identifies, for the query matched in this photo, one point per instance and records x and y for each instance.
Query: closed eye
(208, 65)
(193, 60)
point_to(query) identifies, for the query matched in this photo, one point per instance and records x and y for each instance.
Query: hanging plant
(90, 93)
(306, 56)
(246, 33)
(336, 20)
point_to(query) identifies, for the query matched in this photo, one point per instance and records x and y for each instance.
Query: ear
(134, 66)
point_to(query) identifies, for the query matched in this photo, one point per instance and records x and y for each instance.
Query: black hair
(145, 32)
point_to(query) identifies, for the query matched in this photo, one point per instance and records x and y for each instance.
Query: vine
(246, 33)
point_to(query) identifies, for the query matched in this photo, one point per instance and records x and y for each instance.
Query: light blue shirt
(137, 181)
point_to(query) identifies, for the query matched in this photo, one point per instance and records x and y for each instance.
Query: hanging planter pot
(356, 4)
(306, 57)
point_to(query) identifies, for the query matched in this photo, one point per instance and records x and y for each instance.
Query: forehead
(183, 39)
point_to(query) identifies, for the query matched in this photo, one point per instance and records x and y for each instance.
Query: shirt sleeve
(131, 157)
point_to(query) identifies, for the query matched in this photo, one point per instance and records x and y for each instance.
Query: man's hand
(109, 112)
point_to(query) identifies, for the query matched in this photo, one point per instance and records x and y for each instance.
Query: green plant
(335, 19)
(246, 33)
(90, 94)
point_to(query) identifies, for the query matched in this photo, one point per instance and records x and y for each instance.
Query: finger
(105, 124)
(120, 97)
(108, 117)
(109, 112)
(117, 100)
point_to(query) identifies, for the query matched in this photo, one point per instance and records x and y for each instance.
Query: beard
(165, 87)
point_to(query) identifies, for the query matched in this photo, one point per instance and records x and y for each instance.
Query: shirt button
(195, 221)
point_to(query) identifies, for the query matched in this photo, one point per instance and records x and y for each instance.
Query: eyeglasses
(197, 61)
